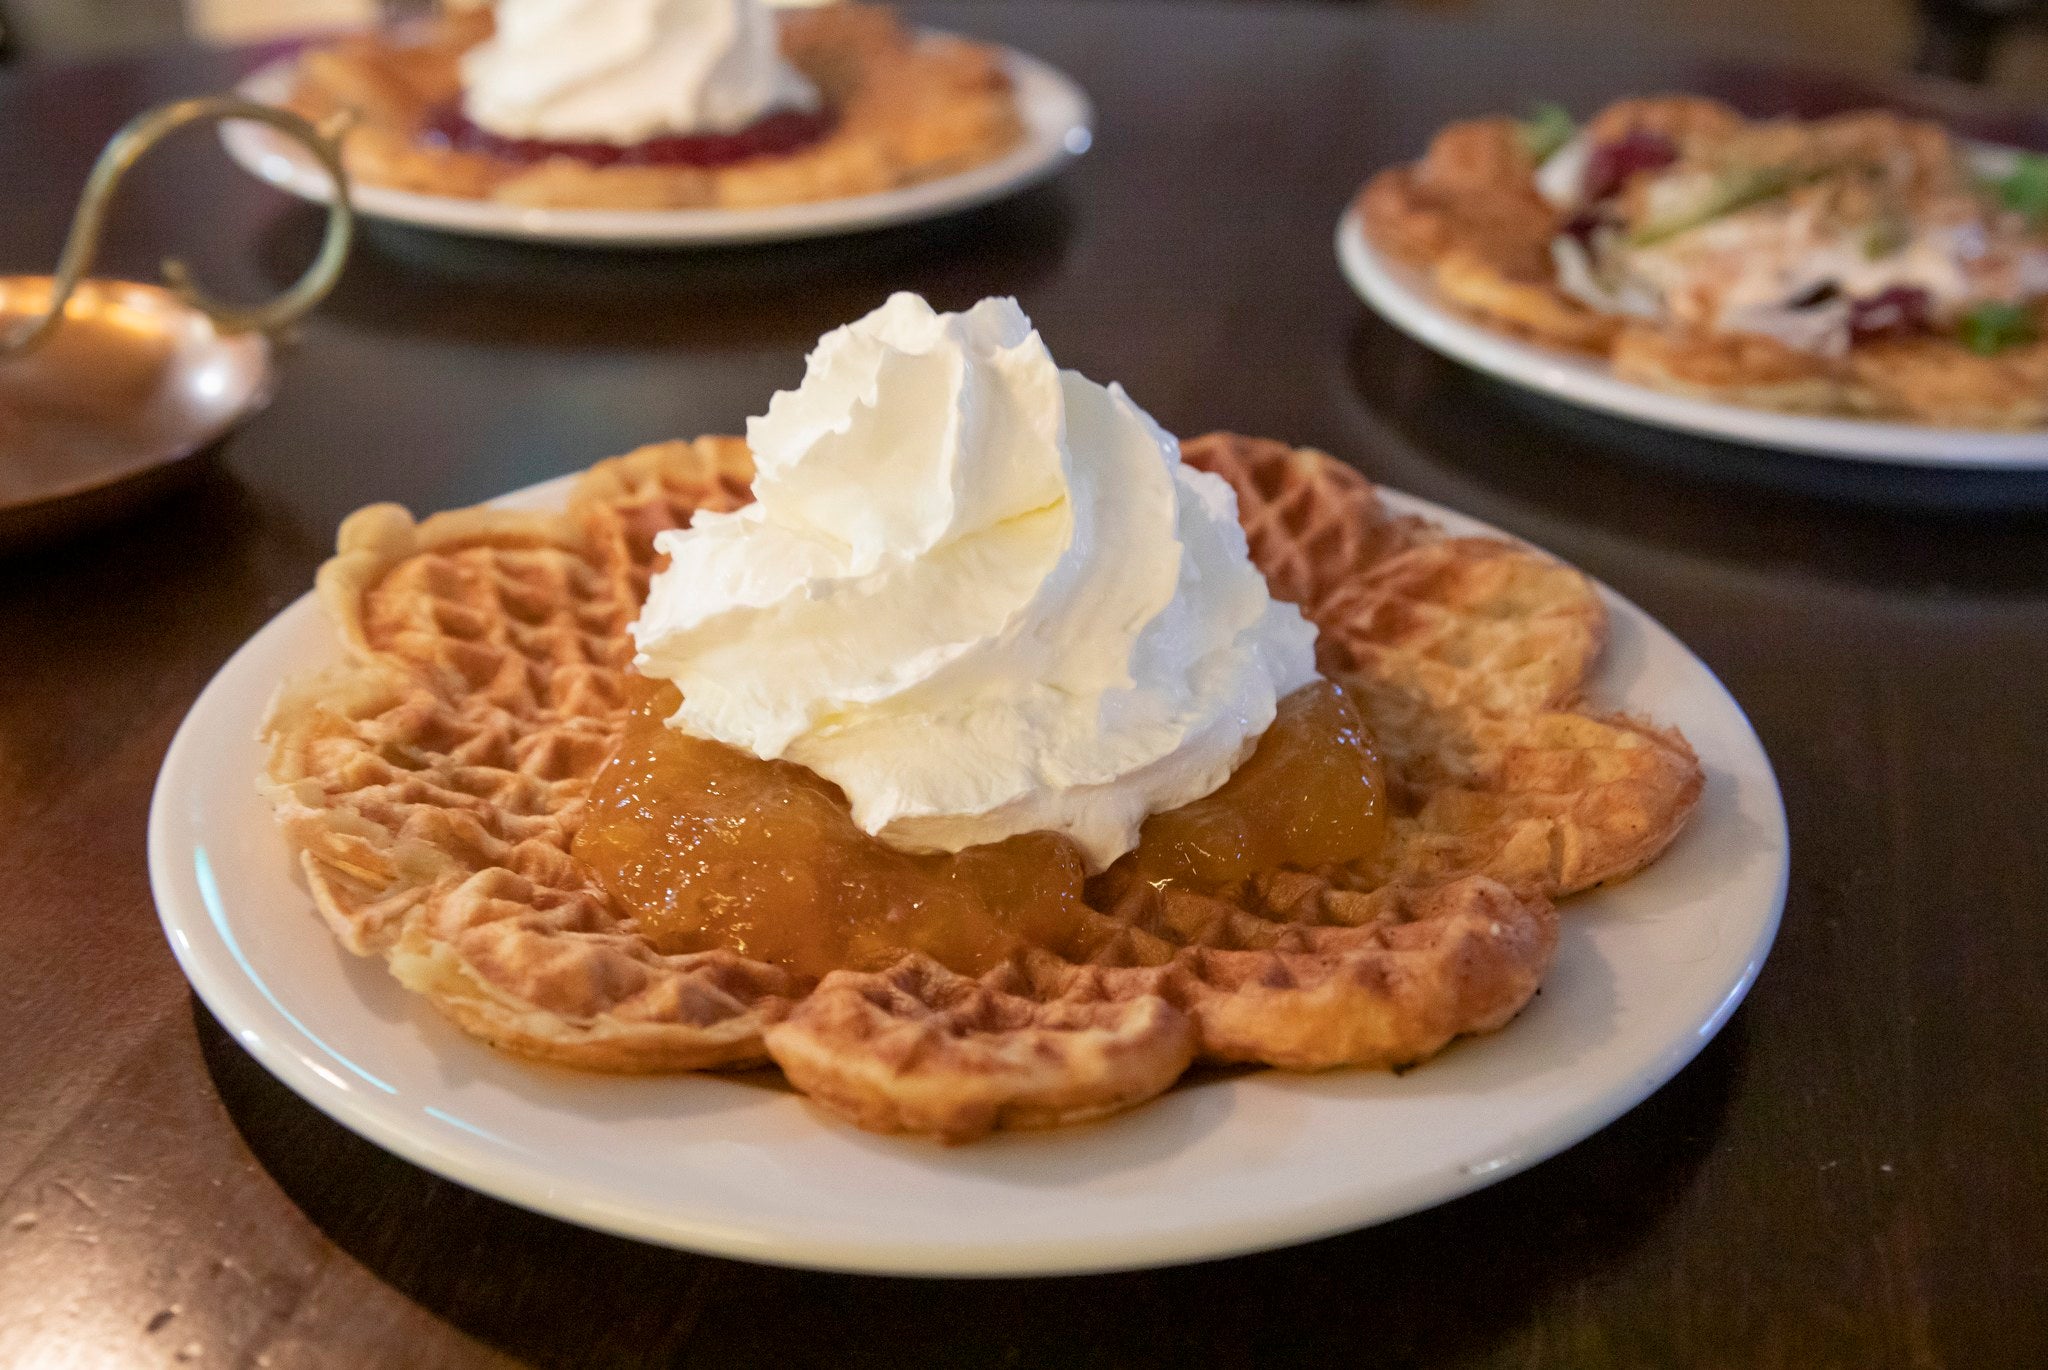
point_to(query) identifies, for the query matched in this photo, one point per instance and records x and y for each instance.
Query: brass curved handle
(128, 147)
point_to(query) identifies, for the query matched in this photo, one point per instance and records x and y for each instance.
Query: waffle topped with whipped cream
(660, 104)
(454, 789)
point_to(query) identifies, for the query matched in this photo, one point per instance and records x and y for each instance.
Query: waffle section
(619, 505)
(433, 784)
(1471, 657)
(1303, 976)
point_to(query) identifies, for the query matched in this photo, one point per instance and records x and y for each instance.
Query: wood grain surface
(1851, 1175)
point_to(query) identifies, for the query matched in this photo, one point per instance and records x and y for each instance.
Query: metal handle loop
(128, 147)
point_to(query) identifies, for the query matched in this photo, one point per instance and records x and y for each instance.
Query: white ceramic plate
(1646, 973)
(1409, 302)
(1058, 127)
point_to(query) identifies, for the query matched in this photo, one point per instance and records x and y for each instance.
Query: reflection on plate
(1645, 974)
(1058, 127)
(1408, 301)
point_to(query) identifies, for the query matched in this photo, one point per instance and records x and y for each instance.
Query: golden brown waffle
(1470, 655)
(1468, 213)
(909, 107)
(433, 783)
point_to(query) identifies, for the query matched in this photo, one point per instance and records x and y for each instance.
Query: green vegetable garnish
(1734, 191)
(1549, 127)
(2025, 188)
(1990, 329)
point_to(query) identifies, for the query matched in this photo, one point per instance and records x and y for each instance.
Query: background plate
(1408, 301)
(739, 1166)
(1058, 127)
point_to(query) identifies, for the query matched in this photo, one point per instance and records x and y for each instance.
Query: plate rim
(1059, 129)
(1401, 297)
(236, 1000)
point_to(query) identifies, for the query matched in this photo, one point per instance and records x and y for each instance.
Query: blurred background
(2002, 44)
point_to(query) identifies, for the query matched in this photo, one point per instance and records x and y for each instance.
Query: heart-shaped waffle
(432, 786)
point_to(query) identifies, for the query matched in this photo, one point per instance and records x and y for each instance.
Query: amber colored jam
(776, 134)
(1312, 794)
(711, 847)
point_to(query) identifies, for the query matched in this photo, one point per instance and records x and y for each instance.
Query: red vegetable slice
(1611, 164)
(1889, 313)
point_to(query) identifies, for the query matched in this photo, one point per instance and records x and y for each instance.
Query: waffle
(909, 107)
(431, 785)
(1468, 215)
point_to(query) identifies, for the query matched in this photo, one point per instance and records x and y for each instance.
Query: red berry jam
(773, 135)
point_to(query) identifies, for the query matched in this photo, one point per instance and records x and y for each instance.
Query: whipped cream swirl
(980, 594)
(624, 71)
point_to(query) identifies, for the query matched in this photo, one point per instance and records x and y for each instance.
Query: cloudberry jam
(712, 847)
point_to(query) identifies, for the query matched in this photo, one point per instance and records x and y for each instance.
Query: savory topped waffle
(434, 784)
(899, 107)
(1858, 264)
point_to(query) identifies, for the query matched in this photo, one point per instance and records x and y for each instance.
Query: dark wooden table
(1851, 1175)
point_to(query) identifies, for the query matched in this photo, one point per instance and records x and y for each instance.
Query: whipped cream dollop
(624, 71)
(982, 595)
